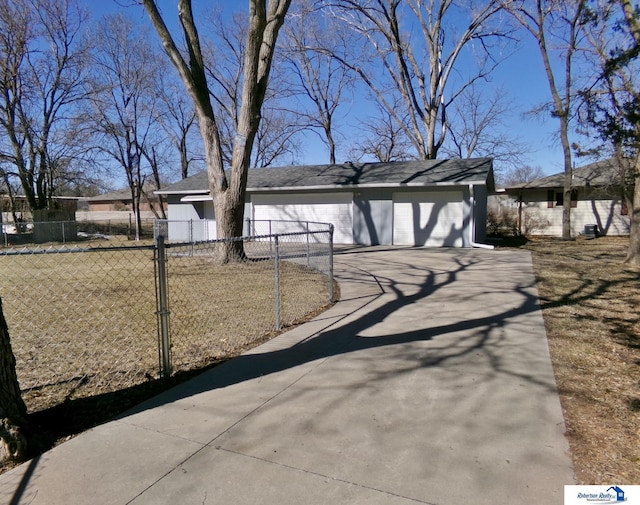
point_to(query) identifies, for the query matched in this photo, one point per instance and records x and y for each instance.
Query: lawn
(591, 309)
(83, 325)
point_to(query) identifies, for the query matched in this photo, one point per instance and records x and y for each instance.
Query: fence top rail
(246, 219)
(68, 250)
(286, 221)
(247, 237)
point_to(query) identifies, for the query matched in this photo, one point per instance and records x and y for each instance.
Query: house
(431, 203)
(596, 199)
(117, 205)
(120, 200)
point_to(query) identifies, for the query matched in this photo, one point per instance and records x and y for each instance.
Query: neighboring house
(120, 200)
(597, 199)
(420, 203)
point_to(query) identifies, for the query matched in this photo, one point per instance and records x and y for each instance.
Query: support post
(163, 308)
(277, 281)
(331, 263)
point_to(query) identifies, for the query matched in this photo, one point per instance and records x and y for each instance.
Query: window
(556, 198)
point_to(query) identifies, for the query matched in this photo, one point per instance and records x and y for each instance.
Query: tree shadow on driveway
(499, 301)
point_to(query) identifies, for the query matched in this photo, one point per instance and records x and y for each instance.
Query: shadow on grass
(49, 427)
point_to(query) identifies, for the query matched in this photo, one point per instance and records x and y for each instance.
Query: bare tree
(521, 174)
(478, 128)
(8, 189)
(632, 18)
(382, 139)
(124, 101)
(318, 79)
(228, 190)
(612, 102)
(419, 45)
(178, 120)
(558, 28)
(42, 72)
(276, 138)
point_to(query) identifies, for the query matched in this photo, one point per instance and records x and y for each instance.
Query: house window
(556, 198)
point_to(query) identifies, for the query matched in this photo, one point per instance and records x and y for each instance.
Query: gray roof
(123, 194)
(399, 173)
(598, 174)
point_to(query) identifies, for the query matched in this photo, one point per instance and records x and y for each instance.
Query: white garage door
(334, 208)
(432, 219)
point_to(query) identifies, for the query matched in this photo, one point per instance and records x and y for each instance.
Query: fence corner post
(163, 307)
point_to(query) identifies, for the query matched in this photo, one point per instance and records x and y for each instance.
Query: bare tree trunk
(633, 254)
(568, 179)
(537, 19)
(184, 157)
(13, 412)
(227, 190)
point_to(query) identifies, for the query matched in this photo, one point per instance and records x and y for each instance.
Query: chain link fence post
(277, 279)
(163, 308)
(331, 263)
(308, 245)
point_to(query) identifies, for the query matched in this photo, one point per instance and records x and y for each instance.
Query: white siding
(191, 221)
(431, 219)
(538, 219)
(334, 208)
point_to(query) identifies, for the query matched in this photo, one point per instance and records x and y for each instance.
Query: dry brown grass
(84, 329)
(591, 309)
(85, 323)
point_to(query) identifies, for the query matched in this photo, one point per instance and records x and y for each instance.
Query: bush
(502, 222)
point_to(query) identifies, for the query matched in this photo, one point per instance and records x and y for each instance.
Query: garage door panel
(432, 219)
(330, 208)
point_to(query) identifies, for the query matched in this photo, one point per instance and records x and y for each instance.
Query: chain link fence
(68, 232)
(92, 320)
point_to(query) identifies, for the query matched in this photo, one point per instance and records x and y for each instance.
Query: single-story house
(120, 200)
(420, 203)
(596, 199)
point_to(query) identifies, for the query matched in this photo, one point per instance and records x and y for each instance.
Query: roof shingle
(418, 173)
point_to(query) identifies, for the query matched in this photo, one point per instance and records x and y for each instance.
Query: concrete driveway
(429, 382)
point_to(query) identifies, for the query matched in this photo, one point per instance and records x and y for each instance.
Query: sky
(522, 75)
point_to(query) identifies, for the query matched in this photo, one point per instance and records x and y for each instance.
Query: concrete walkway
(429, 382)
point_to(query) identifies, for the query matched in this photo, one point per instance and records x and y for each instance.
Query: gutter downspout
(520, 196)
(472, 224)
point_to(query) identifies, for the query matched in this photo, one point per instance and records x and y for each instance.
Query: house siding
(190, 221)
(539, 218)
(334, 207)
